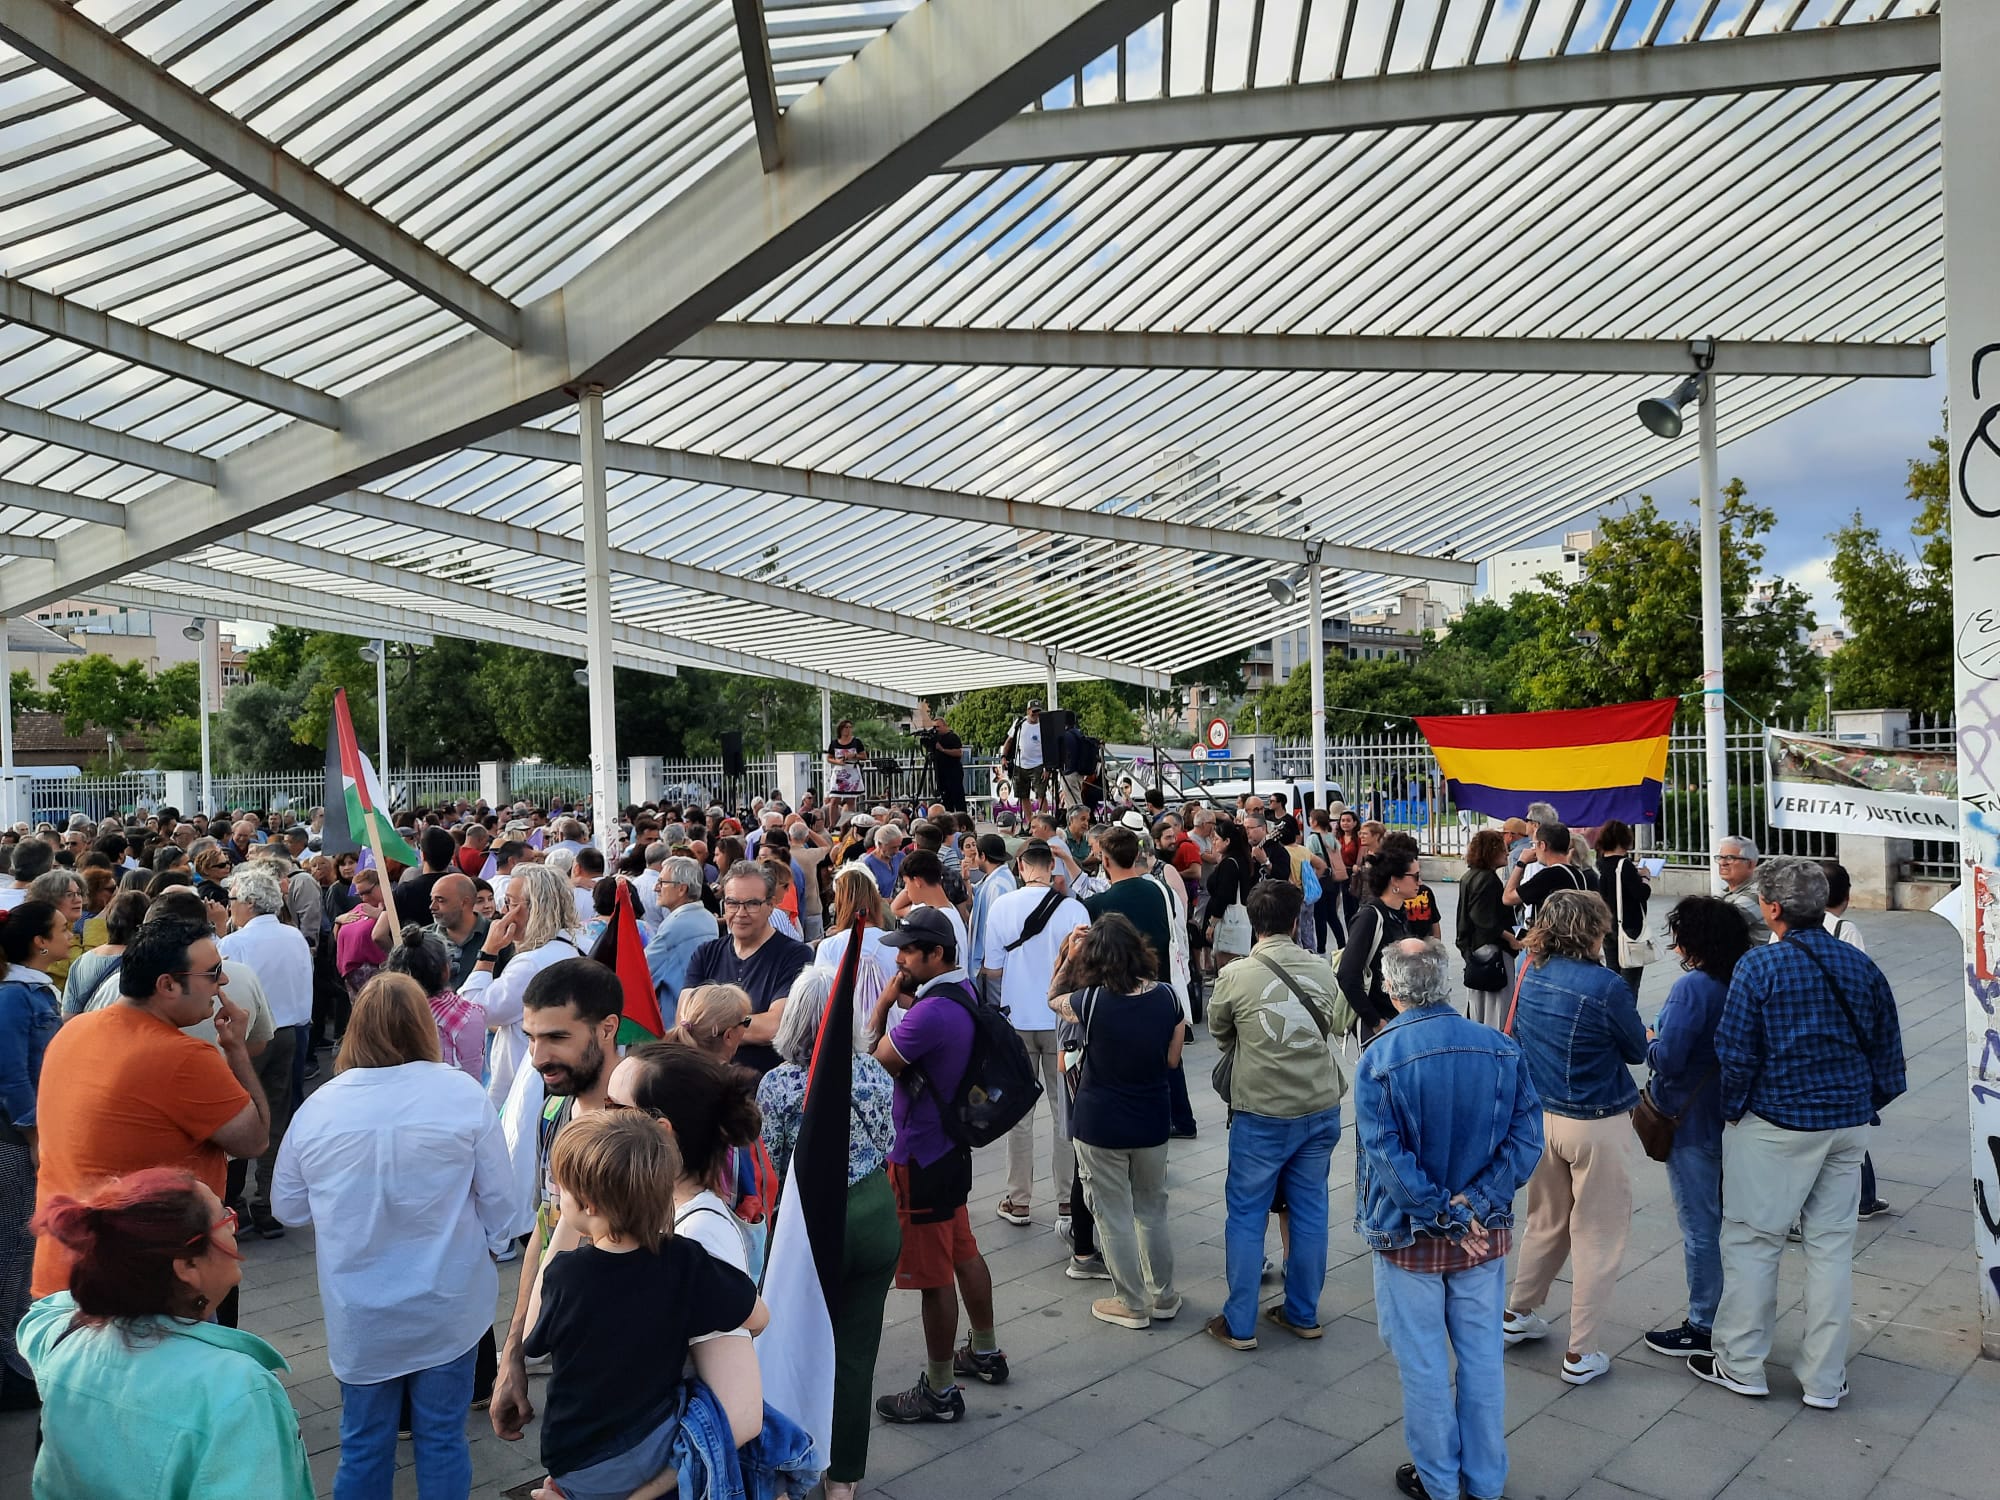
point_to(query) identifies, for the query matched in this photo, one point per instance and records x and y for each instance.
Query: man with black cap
(931, 1173)
(1022, 754)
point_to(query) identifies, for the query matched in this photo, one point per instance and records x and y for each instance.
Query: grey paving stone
(1263, 1463)
(1679, 1458)
(1955, 1454)
(1123, 1466)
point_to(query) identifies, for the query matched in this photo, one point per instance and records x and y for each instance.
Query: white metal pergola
(897, 347)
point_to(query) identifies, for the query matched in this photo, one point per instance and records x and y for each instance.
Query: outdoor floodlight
(1286, 590)
(582, 676)
(371, 652)
(195, 631)
(1662, 414)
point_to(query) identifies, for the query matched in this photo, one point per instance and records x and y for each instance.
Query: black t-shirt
(616, 1328)
(1420, 913)
(1546, 881)
(1122, 1104)
(765, 976)
(413, 898)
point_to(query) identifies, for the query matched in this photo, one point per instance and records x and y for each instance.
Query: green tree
(256, 732)
(95, 690)
(1631, 629)
(174, 693)
(25, 696)
(281, 658)
(537, 706)
(434, 715)
(176, 744)
(1898, 605)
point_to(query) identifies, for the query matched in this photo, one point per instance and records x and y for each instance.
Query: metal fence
(1932, 859)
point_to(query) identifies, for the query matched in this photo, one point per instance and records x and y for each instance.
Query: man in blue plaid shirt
(1810, 1048)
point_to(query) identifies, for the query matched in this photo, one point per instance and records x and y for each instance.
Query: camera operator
(947, 753)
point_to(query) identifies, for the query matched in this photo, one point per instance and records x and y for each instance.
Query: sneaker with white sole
(1012, 1212)
(1518, 1328)
(1167, 1309)
(1678, 1343)
(1087, 1268)
(1708, 1367)
(1581, 1369)
(1827, 1403)
(1113, 1310)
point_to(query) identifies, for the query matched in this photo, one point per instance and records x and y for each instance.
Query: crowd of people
(212, 1032)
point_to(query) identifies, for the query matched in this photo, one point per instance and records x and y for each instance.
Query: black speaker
(732, 754)
(1056, 725)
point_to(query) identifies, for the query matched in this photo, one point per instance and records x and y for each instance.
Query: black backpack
(999, 1087)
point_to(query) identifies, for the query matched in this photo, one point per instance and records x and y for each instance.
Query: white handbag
(1633, 952)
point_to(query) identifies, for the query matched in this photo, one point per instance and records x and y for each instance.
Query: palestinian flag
(802, 1272)
(621, 949)
(356, 810)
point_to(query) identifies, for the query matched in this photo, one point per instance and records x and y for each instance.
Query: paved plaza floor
(1099, 1413)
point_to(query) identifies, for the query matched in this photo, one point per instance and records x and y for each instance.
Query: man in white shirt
(1021, 936)
(1023, 751)
(278, 956)
(645, 885)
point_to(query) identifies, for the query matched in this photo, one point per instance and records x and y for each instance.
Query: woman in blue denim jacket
(1709, 935)
(1580, 1030)
(33, 938)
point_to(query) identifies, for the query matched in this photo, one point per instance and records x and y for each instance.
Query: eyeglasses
(736, 903)
(214, 975)
(207, 1236)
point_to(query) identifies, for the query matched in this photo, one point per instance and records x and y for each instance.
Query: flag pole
(388, 891)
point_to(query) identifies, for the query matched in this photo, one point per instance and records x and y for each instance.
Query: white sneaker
(1581, 1369)
(1518, 1328)
(1827, 1403)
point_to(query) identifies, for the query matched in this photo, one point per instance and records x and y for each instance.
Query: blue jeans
(1695, 1175)
(1266, 1152)
(439, 1398)
(1456, 1438)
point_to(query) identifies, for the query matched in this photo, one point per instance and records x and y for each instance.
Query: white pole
(1970, 49)
(1316, 645)
(7, 813)
(382, 717)
(825, 737)
(597, 620)
(1052, 703)
(205, 647)
(1714, 724)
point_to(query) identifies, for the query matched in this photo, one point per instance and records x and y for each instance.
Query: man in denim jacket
(1448, 1128)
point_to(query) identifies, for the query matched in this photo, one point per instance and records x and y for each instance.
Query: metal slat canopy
(938, 335)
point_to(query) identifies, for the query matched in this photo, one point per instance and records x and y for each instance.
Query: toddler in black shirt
(617, 1314)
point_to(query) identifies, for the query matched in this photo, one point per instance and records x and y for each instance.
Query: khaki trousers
(1047, 1058)
(1580, 1211)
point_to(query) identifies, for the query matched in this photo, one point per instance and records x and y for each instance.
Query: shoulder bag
(1232, 928)
(1654, 1126)
(1633, 952)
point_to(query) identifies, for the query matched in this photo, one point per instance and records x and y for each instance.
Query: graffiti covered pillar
(1971, 52)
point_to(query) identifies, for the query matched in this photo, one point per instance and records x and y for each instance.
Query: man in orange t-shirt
(125, 1088)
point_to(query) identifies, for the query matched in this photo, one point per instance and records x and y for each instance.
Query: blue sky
(1849, 451)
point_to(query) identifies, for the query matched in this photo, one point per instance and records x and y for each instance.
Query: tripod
(926, 789)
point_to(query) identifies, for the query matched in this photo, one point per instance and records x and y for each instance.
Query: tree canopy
(1897, 603)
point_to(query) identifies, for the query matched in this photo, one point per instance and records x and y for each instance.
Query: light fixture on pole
(1664, 418)
(197, 631)
(581, 676)
(378, 652)
(1286, 589)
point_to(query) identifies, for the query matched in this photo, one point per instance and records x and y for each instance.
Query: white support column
(825, 739)
(1316, 645)
(1714, 724)
(382, 719)
(1971, 51)
(207, 649)
(597, 621)
(1051, 703)
(7, 812)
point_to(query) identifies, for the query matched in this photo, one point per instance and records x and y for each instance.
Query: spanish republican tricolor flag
(1591, 764)
(809, 1239)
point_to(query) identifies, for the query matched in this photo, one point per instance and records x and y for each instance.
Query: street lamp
(1662, 414)
(378, 652)
(581, 676)
(1286, 589)
(197, 631)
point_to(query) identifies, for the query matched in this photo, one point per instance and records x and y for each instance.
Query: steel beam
(755, 43)
(560, 548)
(1483, 91)
(47, 502)
(26, 546)
(1038, 348)
(960, 505)
(932, 85)
(548, 616)
(67, 43)
(106, 442)
(132, 597)
(71, 321)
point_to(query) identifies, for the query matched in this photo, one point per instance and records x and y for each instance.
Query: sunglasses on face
(214, 975)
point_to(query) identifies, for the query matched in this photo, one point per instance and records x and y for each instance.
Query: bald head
(451, 905)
